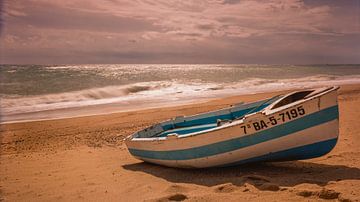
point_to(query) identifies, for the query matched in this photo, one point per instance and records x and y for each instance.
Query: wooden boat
(299, 125)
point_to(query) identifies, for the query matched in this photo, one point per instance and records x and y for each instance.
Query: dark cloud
(337, 3)
(205, 26)
(48, 16)
(231, 1)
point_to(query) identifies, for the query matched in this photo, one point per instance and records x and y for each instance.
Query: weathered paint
(230, 144)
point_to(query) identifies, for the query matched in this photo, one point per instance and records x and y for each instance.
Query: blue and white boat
(299, 125)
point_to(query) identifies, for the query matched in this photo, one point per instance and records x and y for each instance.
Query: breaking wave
(149, 94)
(91, 96)
(162, 92)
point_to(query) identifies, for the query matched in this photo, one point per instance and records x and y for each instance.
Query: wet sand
(85, 159)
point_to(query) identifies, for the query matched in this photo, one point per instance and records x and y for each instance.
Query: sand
(85, 159)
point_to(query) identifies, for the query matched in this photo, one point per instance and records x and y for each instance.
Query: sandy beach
(85, 159)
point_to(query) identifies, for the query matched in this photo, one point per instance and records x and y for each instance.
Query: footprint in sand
(305, 193)
(173, 197)
(269, 187)
(175, 188)
(177, 197)
(225, 188)
(261, 182)
(328, 194)
(323, 194)
(177, 193)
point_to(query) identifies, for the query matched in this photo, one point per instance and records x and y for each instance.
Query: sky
(180, 31)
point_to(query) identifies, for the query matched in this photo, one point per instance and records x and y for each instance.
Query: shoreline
(127, 110)
(85, 158)
(69, 113)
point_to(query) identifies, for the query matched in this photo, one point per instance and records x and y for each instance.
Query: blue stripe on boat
(188, 130)
(213, 119)
(303, 152)
(209, 120)
(288, 128)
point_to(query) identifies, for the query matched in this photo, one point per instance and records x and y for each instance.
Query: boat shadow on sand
(284, 174)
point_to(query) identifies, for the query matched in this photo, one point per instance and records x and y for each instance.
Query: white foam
(158, 93)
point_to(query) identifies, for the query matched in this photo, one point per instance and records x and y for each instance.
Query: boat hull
(276, 136)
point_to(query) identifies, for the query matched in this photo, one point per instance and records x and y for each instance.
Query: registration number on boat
(274, 120)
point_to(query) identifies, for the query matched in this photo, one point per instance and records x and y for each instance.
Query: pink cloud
(202, 27)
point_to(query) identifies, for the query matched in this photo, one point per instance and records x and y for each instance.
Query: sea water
(30, 92)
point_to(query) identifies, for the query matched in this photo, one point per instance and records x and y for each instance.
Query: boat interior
(200, 122)
(205, 121)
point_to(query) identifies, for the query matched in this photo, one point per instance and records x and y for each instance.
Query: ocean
(31, 92)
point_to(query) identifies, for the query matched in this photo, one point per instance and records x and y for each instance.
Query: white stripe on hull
(311, 135)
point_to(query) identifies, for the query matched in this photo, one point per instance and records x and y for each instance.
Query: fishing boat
(300, 125)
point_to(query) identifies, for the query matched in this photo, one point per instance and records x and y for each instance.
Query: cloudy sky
(180, 31)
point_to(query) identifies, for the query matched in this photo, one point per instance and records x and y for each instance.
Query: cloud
(249, 17)
(227, 31)
(48, 17)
